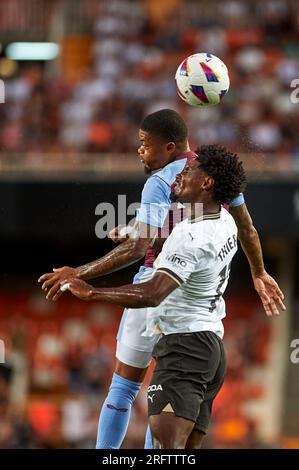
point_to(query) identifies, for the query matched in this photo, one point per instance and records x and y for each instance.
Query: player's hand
(270, 294)
(78, 288)
(119, 234)
(52, 281)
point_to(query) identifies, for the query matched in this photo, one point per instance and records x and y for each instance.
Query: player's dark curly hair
(225, 168)
(167, 125)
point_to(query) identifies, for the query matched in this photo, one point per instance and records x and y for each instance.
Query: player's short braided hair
(225, 168)
(167, 125)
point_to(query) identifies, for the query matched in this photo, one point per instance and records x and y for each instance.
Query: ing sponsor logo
(175, 259)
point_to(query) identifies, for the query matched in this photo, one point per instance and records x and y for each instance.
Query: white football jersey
(197, 255)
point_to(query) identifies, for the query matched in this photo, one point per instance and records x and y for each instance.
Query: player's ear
(170, 147)
(208, 183)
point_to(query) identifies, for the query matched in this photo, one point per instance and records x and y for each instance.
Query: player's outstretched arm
(146, 294)
(266, 287)
(129, 252)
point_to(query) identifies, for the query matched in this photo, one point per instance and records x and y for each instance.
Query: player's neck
(199, 208)
(211, 208)
(181, 151)
(178, 152)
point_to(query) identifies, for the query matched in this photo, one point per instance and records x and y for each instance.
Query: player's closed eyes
(144, 146)
(186, 170)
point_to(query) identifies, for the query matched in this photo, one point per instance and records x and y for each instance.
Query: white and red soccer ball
(202, 79)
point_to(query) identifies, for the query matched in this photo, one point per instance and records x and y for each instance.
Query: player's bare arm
(146, 294)
(129, 252)
(266, 287)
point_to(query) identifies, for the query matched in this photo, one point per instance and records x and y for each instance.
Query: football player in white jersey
(164, 150)
(190, 277)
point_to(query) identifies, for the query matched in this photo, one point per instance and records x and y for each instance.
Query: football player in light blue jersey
(164, 151)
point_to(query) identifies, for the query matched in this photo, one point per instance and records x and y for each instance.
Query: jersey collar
(206, 217)
(189, 155)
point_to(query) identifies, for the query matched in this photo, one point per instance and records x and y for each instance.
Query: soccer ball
(202, 80)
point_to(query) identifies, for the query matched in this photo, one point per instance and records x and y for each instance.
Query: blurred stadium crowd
(60, 359)
(135, 51)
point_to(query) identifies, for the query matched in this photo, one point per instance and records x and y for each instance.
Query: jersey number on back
(224, 273)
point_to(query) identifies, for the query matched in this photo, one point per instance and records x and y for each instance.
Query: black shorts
(189, 373)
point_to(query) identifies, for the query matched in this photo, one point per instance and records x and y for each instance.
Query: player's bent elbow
(157, 297)
(151, 299)
(159, 288)
(154, 301)
(247, 232)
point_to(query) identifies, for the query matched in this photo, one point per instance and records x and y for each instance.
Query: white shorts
(132, 348)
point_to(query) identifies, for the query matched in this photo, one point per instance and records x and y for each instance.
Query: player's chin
(147, 170)
(175, 195)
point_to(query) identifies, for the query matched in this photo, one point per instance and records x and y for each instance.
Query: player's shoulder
(219, 223)
(187, 235)
(155, 182)
(181, 229)
(227, 218)
(169, 172)
(208, 228)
